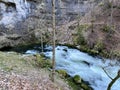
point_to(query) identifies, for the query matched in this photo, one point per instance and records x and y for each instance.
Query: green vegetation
(79, 37)
(73, 84)
(85, 87)
(77, 83)
(62, 73)
(16, 63)
(13, 62)
(117, 54)
(17, 68)
(77, 79)
(90, 51)
(40, 62)
(106, 28)
(99, 46)
(101, 4)
(108, 5)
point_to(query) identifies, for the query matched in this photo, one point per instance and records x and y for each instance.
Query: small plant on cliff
(80, 38)
(99, 46)
(106, 28)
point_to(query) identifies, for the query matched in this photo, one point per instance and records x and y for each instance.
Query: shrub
(106, 28)
(40, 62)
(80, 38)
(99, 46)
(101, 4)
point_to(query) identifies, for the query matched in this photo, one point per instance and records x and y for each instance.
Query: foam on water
(88, 67)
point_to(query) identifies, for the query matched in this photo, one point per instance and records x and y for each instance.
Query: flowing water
(89, 68)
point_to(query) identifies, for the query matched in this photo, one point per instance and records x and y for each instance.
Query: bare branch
(107, 73)
(113, 81)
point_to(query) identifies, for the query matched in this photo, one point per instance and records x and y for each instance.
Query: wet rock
(63, 73)
(65, 49)
(77, 79)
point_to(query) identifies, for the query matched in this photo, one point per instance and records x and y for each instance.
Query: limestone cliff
(27, 18)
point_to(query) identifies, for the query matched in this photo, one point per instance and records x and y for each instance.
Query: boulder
(9, 40)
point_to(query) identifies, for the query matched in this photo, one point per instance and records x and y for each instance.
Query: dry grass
(18, 72)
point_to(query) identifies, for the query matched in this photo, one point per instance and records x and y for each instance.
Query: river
(88, 67)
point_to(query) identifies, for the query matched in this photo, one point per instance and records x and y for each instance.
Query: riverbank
(20, 72)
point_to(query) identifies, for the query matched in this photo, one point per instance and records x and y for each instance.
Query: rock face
(9, 40)
(15, 21)
(13, 10)
(30, 18)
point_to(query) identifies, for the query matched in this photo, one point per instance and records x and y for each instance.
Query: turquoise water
(89, 68)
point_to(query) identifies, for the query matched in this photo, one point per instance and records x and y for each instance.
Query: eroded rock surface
(28, 18)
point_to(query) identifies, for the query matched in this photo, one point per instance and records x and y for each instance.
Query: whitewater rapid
(89, 68)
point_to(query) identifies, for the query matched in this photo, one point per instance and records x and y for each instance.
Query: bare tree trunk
(41, 42)
(111, 18)
(78, 12)
(53, 26)
(92, 14)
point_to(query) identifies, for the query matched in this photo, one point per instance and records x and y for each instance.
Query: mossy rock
(73, 85)
(85, 87)
(63, 73)
(77, 79)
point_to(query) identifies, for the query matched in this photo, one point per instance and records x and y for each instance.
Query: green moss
(116, 53)
(40, 62)
(107, 28)
(78, 85)
(77, 79)
(112, 54)
(99, 46)
(73, 85)
(62, 73)
(79, 38)
(85, 87)
(8, 69)
(13, 62)
(86, 48)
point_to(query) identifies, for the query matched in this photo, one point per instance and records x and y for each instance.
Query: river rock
(77, 79)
